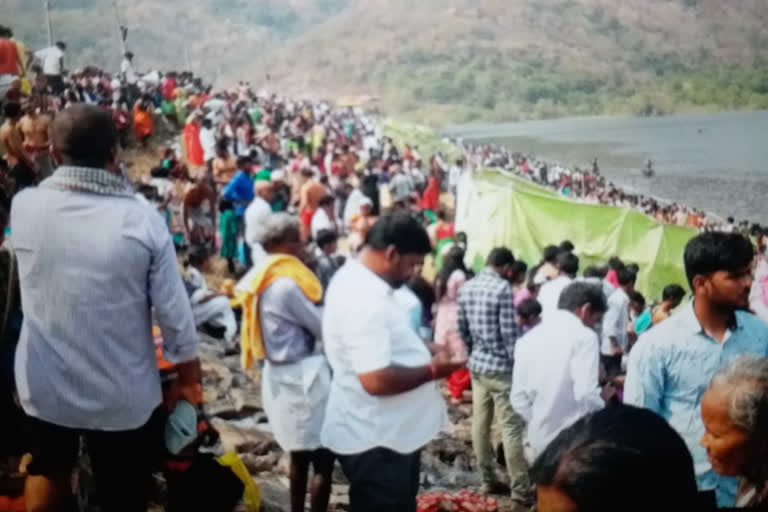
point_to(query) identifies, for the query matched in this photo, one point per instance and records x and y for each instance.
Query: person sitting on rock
(208, 307)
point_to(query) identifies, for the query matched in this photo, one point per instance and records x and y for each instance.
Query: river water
(716, 162)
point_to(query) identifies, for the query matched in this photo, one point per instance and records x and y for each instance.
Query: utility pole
(186, 58)
(47, 6)
(119, 28)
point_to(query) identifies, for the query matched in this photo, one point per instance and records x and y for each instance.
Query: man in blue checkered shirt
(487, 325)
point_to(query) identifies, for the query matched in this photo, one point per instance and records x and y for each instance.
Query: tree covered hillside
(443, 60)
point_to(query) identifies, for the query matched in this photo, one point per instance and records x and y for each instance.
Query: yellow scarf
(277, 266)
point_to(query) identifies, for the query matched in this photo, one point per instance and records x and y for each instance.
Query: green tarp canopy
(504, 210)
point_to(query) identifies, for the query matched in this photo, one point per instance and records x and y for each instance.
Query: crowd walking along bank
(345, 290)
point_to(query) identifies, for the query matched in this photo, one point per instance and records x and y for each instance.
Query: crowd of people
(587, 184)
(604, 400)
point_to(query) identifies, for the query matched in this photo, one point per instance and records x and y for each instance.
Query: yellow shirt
(23, 51)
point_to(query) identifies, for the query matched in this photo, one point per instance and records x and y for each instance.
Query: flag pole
(47, 5)
(119, 27)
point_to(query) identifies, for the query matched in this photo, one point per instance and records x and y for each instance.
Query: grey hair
(746, 378)
(277, 228)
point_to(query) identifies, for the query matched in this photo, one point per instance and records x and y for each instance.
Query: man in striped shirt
(95, 266)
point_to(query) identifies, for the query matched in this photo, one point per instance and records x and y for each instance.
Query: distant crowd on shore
(587, 184)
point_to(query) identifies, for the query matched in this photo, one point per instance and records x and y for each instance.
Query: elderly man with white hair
(282, 327)
(735, 414)
(256, 216)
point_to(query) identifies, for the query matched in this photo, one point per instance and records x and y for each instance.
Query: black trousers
(55, 84)
(122, 462)
(382, 480)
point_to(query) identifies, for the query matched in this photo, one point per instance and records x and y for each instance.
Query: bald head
(84, 135)
(265, 190)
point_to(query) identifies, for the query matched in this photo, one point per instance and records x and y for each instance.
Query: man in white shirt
(567, 265)
(130, 78)
(126, 69)
(454, 174)
(557, 367)
(208, 142)
(255, 216)
(615, 336)
(52, 59)
(96, 266)
(384, 404)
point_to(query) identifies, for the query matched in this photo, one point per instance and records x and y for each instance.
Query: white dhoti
(294, 397)
(218, 313)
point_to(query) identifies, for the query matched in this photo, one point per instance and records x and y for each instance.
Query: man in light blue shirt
(672, 364)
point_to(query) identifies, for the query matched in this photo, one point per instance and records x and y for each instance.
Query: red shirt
(8, 57)
(444, 230)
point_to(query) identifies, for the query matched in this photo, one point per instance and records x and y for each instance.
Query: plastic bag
(251, 495)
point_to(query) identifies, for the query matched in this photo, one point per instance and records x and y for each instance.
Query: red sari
(192, 144)
(431, 198)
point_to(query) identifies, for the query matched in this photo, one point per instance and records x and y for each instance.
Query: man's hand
(444, 366)
(608, 392)
(435, 349)
(190, 387)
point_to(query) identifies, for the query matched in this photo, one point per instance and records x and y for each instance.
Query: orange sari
(143, 125)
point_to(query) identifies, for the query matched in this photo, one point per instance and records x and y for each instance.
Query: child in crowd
(528, 314)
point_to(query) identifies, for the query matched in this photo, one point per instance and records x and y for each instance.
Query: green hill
(445, 60)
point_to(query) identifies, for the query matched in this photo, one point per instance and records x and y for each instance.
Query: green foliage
(525, 59)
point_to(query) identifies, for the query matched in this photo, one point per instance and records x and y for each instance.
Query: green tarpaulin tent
(503, 209)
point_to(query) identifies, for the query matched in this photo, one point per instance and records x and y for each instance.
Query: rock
(223, 408)
(284, 465)
(260, 463)
(274, 494)
(340, 497)
(259, 446)
(235, 439)
(210, 395)
(246, 402)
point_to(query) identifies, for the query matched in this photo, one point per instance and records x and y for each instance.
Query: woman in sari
(430, 199)
(449, 281)
(143, 125)
(192, 141)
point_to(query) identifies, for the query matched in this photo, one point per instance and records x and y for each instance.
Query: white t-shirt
(320, 221)
(555, 381)
(362, 336)
(256, 215)
(549, 295)
(615, 322)
(51, 59)
(126, 68)
(208, 142)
